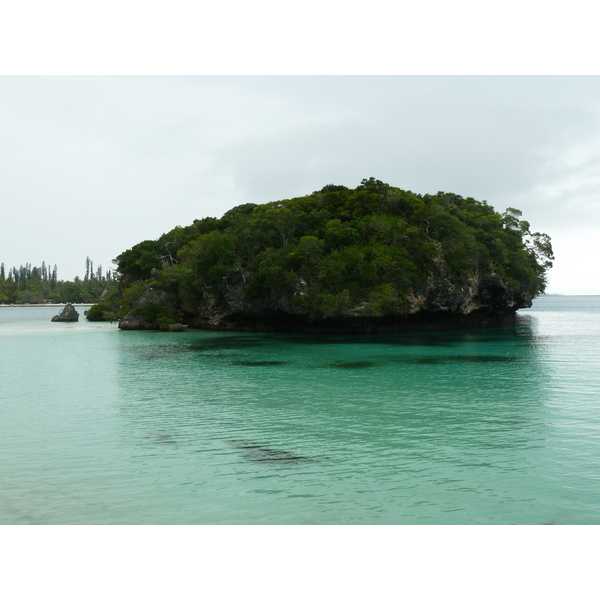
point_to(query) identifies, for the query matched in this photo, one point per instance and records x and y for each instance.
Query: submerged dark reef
(264, 454)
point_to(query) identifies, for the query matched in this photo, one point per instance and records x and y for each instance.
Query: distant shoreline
(63, 304)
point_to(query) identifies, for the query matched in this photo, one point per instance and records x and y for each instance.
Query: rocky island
(373, 258)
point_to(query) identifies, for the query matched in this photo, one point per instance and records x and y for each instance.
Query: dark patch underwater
(259, 363)
(267, 455)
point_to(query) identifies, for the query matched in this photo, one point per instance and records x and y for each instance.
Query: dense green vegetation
(39, 285)
(339, 248)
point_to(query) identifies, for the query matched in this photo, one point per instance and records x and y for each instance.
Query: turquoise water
(99, 425)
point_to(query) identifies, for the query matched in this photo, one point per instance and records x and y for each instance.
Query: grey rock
(68, 314)
(134, 320)
(438, 303)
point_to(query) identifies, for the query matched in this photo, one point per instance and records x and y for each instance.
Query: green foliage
(40, 285)
(211, 256)
(131, 295)
(161, 316)
(104, 311)
(29, 297)
(138, 262)
(345, 248)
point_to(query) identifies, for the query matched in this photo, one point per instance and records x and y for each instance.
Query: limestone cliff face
(486, 293)
(484, 300)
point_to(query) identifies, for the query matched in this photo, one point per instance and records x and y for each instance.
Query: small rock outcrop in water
(68, 314)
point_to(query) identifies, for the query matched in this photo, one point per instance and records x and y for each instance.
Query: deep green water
(99, 425)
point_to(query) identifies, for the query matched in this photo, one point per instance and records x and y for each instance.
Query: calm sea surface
(99, 425)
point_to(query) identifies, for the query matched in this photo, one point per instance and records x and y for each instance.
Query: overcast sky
(92, 165)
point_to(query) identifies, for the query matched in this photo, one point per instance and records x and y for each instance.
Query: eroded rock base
(432, 321)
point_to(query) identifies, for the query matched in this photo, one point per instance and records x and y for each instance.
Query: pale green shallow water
(99, 425)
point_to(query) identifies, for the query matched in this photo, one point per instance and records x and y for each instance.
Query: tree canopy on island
(370, 247)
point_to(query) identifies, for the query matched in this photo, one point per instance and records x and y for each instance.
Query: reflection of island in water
(473, 426)
(297, 398)
(454, 426)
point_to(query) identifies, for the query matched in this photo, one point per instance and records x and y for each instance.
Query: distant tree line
(39, 285)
